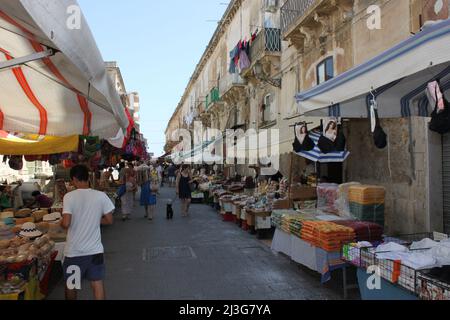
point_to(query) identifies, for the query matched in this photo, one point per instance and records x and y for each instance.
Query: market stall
(314, 233)
(411, 267)
(25, 263)
(60, 106)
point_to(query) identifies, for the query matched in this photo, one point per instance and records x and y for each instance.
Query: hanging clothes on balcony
(254, 36)
(244, 61)
(246, 48)
(234, 55)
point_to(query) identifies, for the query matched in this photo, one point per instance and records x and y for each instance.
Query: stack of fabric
(286, 223)
(367, 203)
(327, 235)
(364, 231)
(308, 228)
(296, 226)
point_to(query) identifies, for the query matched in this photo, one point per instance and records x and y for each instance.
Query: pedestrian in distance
(184, 191)
(172, 175)
(85, 210)
(128, 198)
(122, 189)
(160, 171)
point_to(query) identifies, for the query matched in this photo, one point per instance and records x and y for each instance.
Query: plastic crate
(371, 213)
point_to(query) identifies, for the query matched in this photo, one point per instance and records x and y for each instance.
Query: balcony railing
(292, 10)
(213, 96)
(267, 41)
(230, 81)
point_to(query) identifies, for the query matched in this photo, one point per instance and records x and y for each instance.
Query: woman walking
(148, 200)
(128, 197)
(184, 180)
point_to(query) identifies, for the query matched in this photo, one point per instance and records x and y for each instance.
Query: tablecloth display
(308, 255)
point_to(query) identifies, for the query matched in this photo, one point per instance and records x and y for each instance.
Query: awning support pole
(291, 165)
(22, 60)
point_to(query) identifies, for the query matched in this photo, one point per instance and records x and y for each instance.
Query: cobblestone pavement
(198, 258)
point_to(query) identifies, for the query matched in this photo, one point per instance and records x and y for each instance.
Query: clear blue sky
(157, 45)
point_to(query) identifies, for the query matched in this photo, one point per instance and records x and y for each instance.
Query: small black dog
(169, 211)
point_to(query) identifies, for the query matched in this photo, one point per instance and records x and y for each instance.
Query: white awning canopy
(396, 77)
(63, 94)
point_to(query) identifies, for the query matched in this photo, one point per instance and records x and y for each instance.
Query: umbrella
(316, 154)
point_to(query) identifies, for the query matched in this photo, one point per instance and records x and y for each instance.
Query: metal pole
(22, 60)
(291, 204)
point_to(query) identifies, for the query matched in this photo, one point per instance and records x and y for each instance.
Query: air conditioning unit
(271, 6)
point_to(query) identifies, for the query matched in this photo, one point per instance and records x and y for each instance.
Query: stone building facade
(318, 40)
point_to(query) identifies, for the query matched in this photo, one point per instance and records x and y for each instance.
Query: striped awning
(68, 93)
(316, 154)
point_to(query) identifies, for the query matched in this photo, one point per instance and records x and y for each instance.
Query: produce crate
(251, 218)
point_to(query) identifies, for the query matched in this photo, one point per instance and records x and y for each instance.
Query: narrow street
(198, 258)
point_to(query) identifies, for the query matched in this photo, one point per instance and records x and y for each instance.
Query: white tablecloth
(306, 254)
(282, 242)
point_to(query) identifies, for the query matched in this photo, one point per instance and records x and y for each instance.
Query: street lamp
(258, 70)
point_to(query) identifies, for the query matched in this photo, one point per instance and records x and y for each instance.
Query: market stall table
(307, 255)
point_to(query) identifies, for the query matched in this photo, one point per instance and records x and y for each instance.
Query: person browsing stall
(40, 201)
(85, 210)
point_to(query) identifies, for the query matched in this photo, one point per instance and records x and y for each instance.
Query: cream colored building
(301, 44)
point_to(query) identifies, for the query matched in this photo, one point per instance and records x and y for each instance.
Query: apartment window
(325, 70)
(267, 113)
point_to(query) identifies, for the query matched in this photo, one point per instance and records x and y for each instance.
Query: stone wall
(410, 206)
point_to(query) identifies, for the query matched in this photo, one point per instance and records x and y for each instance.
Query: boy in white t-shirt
(85, 210)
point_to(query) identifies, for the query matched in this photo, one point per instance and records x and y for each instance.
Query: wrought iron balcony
(267, 42)
(292, 10)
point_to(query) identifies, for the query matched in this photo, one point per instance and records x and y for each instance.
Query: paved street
(198, 258)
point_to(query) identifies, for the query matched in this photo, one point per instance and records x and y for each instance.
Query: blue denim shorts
(92, 267)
